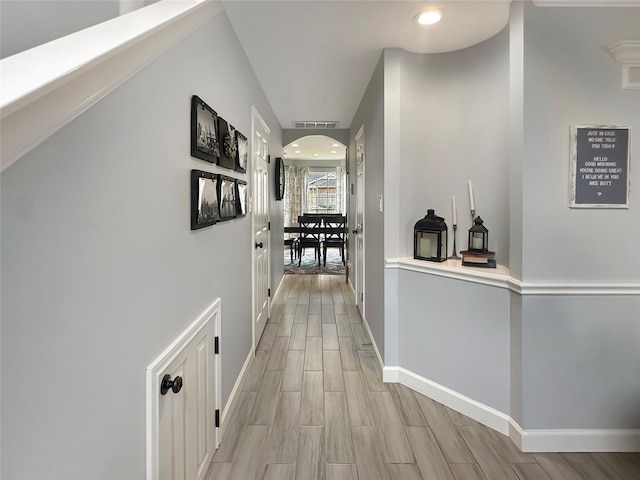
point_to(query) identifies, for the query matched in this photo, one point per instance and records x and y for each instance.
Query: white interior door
(359, 227)
(261, 265)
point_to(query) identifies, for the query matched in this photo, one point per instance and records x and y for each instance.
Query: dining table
(316, 230)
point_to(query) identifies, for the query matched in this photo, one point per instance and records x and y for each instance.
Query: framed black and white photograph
(229, 145)
(227, 197)
(204, 199)
(243, 196)
(242, 158)
(204, 131)
(279, 178)
(599, 166)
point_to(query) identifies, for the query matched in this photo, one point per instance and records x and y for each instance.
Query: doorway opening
(315, 206)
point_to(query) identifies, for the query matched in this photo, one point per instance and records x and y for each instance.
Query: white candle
(455, 222)
(471, 202)
(425, 247)
(476, 242)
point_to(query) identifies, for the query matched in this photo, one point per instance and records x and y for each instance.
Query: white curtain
(341, 189)
(295, 194)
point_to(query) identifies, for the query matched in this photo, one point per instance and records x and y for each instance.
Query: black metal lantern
(478, 236)
(430, 238)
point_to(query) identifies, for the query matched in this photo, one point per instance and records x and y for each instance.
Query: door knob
(259, 245)
(167, 384)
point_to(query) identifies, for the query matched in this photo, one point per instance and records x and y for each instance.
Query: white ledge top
(497, 277)
(500, 277)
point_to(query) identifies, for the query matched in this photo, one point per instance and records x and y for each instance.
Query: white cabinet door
(181, 430)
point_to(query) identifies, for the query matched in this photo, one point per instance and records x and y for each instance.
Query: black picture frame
(205, 143)
(227, 198)
(228, 144)
(242, 157)
(242, 196)
(205, 208)
(280, 178)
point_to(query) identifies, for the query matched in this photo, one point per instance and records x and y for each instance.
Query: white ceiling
(314, 58)
(315, 147)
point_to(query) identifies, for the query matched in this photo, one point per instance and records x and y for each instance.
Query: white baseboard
(353, 290)
(533, 440)
(236, 388)
(373, 342)
(275, 295)
(575, 440)
(467, 406)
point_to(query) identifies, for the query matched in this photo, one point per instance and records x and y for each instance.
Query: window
(322, 193)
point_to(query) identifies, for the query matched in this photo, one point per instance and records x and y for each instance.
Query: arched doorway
(316, 186)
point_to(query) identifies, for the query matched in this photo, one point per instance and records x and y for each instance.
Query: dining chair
(292, 243)
(309, 236)
(334, 239)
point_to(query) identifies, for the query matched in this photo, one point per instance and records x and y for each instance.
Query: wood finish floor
(313, 406)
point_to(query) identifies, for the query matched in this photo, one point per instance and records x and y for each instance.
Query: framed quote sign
(599, 166)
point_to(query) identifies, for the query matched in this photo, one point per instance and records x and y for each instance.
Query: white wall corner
(627, 54)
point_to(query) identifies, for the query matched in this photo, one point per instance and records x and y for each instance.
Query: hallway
(313, 406)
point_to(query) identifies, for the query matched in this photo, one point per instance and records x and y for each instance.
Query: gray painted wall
(581, 362)
(445, 122)
(459, 339)
(454, 127)
(370, 114)
(571, 79)
(579, 355)
(100, 271)
(27, 24)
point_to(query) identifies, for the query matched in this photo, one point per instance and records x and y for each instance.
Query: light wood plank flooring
(313, 406)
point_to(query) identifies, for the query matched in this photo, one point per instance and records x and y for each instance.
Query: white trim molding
(500, 278)
(373, 343)
(533, 440)
(627, 54)
(46, 87)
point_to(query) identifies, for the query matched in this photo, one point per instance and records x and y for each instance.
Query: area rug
(310, 265)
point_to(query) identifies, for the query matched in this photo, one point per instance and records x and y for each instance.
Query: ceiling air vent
(315, 124)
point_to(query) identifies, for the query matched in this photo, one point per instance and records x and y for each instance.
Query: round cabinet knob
(259, 245)
(167, 384)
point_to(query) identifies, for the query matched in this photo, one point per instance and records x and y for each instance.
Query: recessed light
(297, 151)
(333, 151)
(295, 145)
(335, 145)
(429, 17)
(316, 155)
